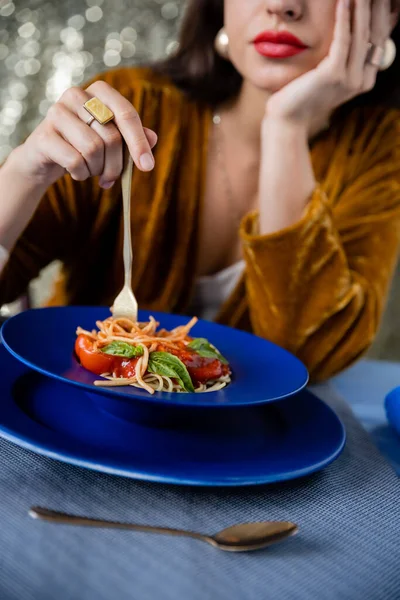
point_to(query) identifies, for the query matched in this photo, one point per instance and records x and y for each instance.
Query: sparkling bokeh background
(45, 47)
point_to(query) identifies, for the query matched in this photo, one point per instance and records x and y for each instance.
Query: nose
(287, 10)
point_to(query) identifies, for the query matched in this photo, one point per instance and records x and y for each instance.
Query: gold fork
(125, 304)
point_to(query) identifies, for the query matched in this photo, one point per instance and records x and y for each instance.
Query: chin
(272, 75)
(274, 78)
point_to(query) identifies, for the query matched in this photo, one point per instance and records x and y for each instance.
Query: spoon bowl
(252, 536)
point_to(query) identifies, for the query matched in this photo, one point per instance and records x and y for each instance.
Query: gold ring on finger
(99, 111)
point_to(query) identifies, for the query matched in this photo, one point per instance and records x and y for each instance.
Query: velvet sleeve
(318, 288)
(57, 231)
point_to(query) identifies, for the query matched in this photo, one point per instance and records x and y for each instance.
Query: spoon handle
(53, 516)
(126, 182)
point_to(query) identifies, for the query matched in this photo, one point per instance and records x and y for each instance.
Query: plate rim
(139, 475)
(185, 400)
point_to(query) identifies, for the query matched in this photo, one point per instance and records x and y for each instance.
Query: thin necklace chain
(220, 143)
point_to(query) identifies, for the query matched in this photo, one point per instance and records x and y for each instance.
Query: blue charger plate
(255, 445)
(44, 339)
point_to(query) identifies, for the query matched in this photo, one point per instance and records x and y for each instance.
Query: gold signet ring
(99, 111)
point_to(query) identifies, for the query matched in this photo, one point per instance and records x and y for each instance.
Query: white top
(211, 291)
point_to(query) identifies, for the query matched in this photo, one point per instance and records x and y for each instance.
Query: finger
(152, 137)
(128, 122)
(380, 31)
(114, 157)
(340, 47)
(74, 99)
(59, 151)
(112, 164)
(360, 39)
(79, 135)
(380, 21)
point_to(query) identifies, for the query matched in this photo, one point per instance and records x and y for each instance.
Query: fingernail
(147, 162)
(107, 184)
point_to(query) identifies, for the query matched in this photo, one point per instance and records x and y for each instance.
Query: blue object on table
(392, 407)
(242, 446)
(262, 372)
(365, 386)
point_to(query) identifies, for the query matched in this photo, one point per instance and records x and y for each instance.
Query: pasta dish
(124, 352)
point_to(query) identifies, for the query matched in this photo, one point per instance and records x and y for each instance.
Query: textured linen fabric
(317, 288)
(347, 548)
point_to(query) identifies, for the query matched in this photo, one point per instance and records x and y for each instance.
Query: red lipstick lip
(279, 37)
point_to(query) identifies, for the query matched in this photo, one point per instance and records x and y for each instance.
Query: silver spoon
(238, 538)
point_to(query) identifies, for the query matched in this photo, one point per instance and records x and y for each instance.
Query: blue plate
(44, 340)
(392, 408)
(256, 445)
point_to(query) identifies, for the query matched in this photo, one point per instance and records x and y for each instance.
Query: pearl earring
(221, 43)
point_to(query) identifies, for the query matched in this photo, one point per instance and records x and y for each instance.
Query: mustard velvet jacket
(317, 288)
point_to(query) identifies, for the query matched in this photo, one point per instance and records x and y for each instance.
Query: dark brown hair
(199, 71)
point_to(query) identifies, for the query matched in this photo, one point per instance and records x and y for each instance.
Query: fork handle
(126, 182)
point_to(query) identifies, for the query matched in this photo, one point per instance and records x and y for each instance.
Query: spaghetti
(125, 352)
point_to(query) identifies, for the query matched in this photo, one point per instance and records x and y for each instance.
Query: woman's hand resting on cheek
(344, 73)
(303, 107)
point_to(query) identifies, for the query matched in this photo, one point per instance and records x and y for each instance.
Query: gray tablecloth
(348, 547)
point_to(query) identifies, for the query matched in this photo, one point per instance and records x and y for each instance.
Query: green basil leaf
(204, 348)
(123, 349)
(164, 363)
